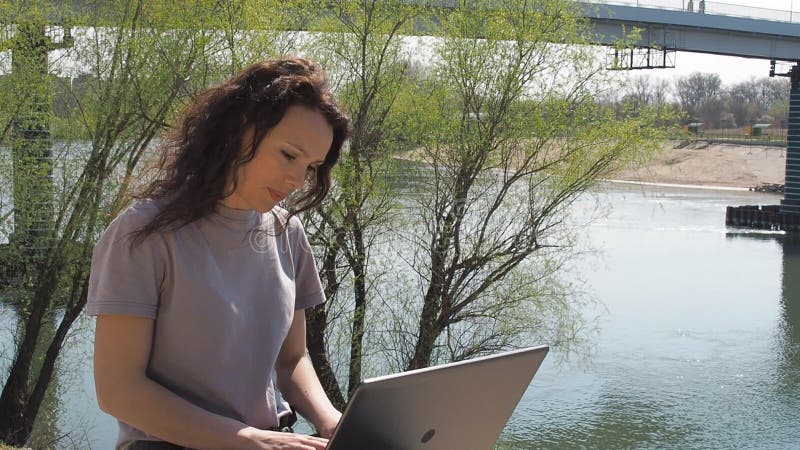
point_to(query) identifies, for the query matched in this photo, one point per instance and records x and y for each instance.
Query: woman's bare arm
(121, 354)
(298, 381)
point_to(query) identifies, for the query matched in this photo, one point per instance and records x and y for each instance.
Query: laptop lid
(462, 405)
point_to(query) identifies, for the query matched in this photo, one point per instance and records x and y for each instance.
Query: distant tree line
(698, 97)
(702, 97)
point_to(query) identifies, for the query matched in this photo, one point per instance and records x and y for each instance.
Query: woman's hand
(273, 440)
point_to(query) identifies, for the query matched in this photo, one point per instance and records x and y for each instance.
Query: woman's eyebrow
(296, 147)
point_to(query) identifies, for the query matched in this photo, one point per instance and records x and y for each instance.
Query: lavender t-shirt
(222, 292)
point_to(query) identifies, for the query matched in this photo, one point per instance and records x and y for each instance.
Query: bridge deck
(694, 32)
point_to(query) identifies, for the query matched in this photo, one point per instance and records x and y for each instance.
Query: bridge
(716, 28)
(691, 31)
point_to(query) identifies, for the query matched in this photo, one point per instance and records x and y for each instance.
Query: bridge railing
(718, 8)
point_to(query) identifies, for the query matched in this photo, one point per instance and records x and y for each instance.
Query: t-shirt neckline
(239, 218)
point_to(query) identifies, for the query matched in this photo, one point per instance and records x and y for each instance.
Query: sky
(730, 69)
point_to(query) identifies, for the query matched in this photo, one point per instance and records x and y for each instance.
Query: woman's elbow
(114, 393)
(106, 395)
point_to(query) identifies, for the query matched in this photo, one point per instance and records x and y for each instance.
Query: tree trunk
(45, 376)
(317, 324)
(429, 320)
(429, 330)
(316, 321)
(16, 422)
(359, 314)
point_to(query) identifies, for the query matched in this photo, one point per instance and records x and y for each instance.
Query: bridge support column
(785, 217)
(791, 199)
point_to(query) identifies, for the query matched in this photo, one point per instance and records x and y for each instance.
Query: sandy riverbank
(706, 164)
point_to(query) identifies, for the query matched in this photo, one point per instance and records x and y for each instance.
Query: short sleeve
(308, 287)
(125, 279)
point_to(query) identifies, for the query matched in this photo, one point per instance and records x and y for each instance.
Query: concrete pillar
(791, 198)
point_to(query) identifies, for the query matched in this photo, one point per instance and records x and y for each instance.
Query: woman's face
(296, 145)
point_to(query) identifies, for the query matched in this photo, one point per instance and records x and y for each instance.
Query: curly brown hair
(204, 149)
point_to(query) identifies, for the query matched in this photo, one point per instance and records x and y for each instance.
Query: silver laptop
(462, 405)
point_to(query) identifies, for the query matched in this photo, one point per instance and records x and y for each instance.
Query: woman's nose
(294, 179)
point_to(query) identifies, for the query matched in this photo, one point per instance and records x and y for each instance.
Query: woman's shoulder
(139, 213)
(287, 225)
(133, 219)
(284, 218)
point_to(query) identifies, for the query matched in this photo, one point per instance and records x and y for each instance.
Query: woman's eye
(288, 156)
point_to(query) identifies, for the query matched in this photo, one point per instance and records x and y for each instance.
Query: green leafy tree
(695, 88)
(751, 99)
(139, 62)
(362, 49)
(506, 133)
(513, 136)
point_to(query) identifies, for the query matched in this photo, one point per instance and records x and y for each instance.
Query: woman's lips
(276, 195)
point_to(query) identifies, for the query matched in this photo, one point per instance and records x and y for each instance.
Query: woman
(200, 286)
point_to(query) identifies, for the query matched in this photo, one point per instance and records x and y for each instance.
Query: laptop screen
(462, 405)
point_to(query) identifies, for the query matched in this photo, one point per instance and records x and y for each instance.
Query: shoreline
(706, 187)
(703, 165)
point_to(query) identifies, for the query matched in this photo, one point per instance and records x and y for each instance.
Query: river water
(697, 346)
(700, 345)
